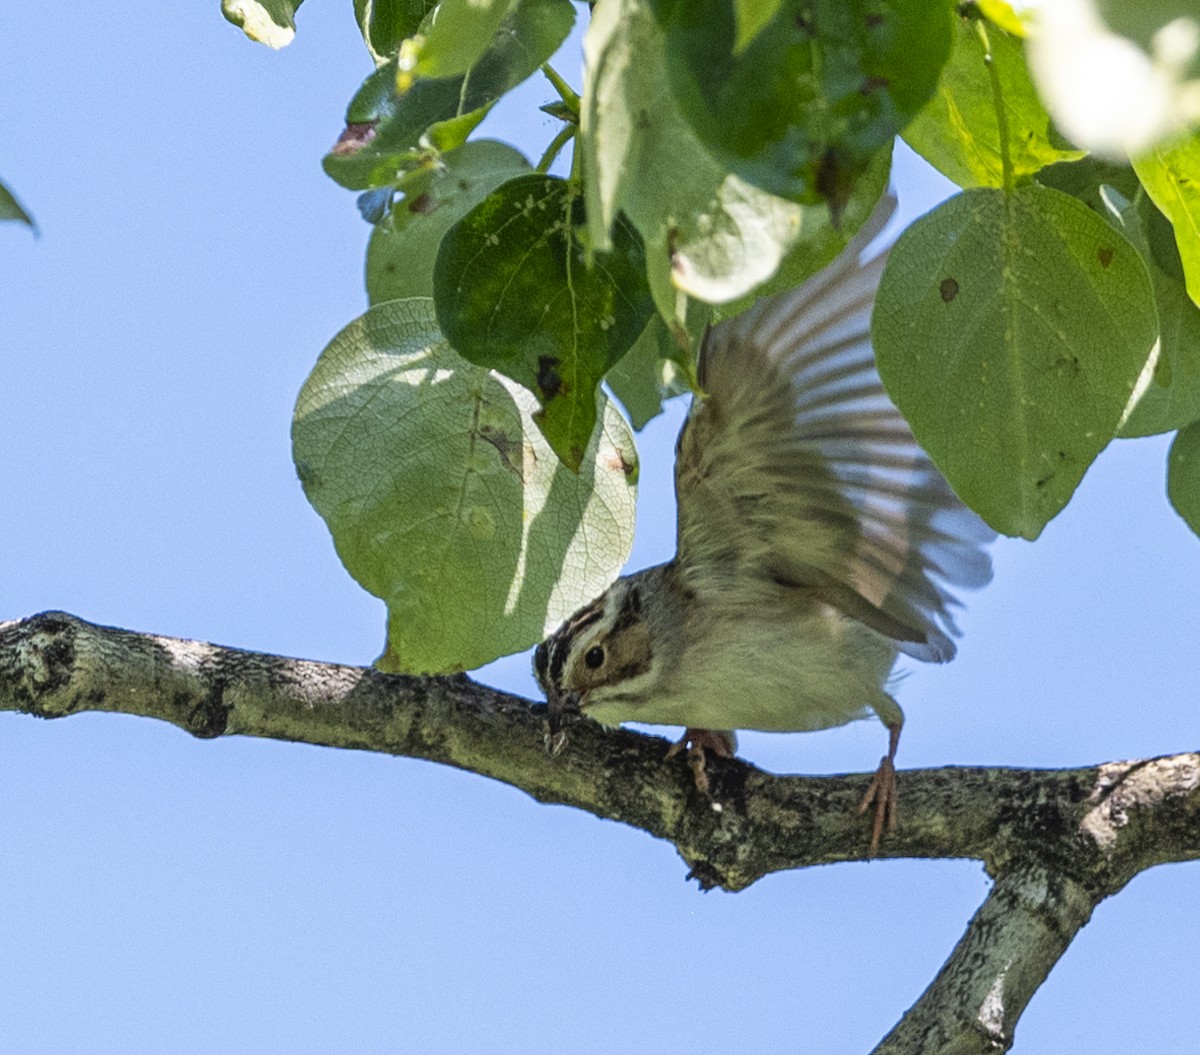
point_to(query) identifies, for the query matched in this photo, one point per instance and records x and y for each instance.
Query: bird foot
(696, 741)
(881, 792)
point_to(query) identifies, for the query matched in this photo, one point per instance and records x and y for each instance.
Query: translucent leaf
(1011, 331)
(444, 500)
(10, 209)
(819, 239)
(648, 374)
(270, 22)
(390, 132)
(1001, 14)
(1183, 475)
(958, 132)
(458, 34)
(1171, 176)
(707, 231)
(751, 16)
(385, 23)
(801, 108)
(401, 252)
(517, 291)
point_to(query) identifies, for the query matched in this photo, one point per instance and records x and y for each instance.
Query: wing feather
(796, 468)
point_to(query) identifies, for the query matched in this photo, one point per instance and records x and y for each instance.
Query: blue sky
(168, 894)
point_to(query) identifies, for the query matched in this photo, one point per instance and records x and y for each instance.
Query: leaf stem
(565, 92)
(565, 134)
(989, 60)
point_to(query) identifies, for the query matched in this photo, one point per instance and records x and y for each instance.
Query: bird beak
(558, 706)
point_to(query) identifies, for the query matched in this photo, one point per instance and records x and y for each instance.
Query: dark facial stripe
(630, 613)
(560, 644)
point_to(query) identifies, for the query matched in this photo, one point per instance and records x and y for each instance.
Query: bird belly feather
(791, 673)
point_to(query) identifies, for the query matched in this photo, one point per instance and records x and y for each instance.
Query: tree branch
(1056, 841)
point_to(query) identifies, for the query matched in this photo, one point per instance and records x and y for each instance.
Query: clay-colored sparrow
(816, 542)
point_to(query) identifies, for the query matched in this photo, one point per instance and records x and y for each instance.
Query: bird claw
(882, 793)
(697, 741)
(554, 741)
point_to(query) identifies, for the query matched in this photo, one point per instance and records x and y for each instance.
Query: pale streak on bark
(1056, 842)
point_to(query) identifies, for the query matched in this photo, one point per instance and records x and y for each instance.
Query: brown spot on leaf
(874, 20)
(423, 204)
(1067, 366)
(1105, 254)
(510, 452)
(873, 84)
(354, 137)
(549, 381)
(948, 289)
(615, 460)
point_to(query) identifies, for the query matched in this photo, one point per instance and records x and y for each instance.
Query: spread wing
(796, 469)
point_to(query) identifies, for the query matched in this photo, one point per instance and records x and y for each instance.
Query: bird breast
(772, 667)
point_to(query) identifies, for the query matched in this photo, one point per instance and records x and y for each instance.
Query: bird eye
(594, 657)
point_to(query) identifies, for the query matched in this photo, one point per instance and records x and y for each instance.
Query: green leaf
(516, 291)
(10, 209)
(1001, 14)
(270, 22)
(458, 34)
(708, 232)
(818, 239)
(1170, 396)
(1171, 176)
(444, 500)
(649, 374)
(751, 16)
(1083, 179)
(1011, 330)
(1183, 475)
(801, 108)
(386, 128)
(386, 23)
(958, 132)
(402, 250)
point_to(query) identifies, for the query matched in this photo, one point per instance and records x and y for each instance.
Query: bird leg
(718, 741)
(882, 791)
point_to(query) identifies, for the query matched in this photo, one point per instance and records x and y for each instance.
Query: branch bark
(1056, 842)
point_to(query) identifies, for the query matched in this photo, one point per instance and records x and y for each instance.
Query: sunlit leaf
(270, 22)
(444, 500)
(402, 250)
(1011, 331)
(958, 130)
(1171, 176)
(458, 34)
(517, 291)
(390, 132)
(385, 23)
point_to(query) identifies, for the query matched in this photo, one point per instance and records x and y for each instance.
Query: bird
(816, 544)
